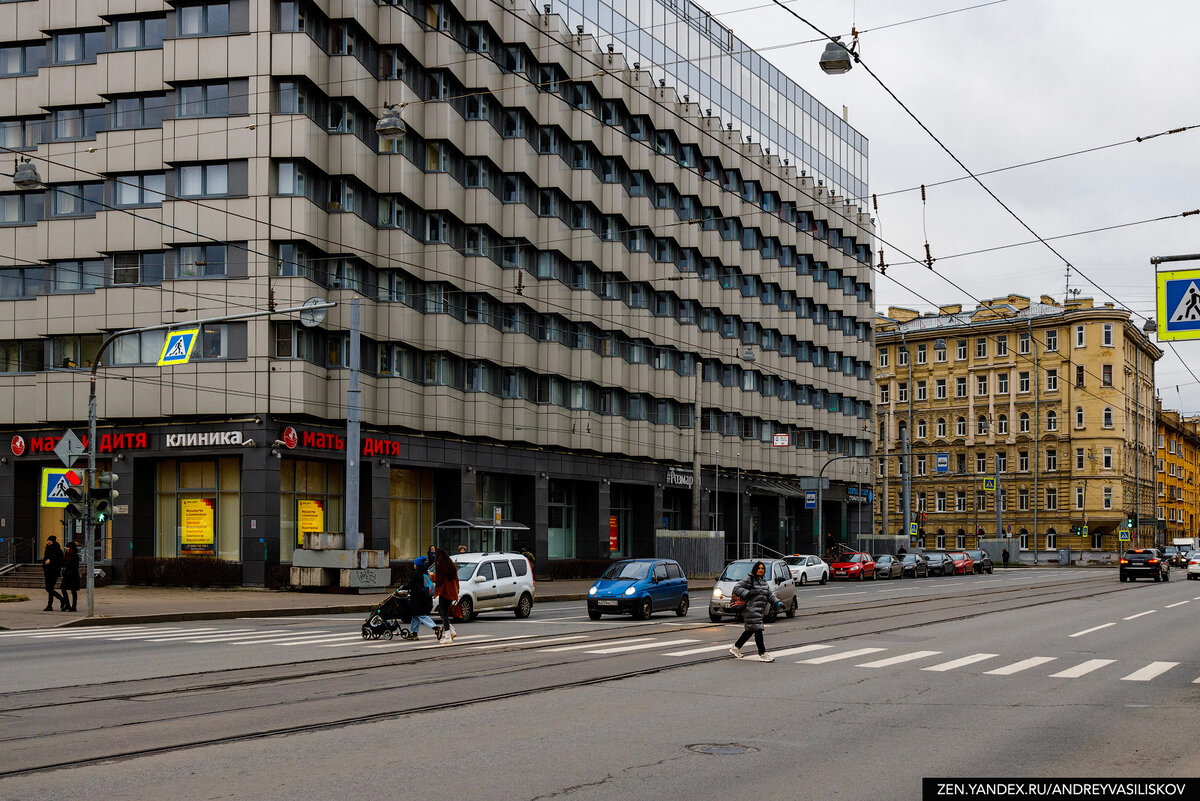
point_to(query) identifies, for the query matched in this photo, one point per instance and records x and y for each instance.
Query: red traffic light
(73, 478)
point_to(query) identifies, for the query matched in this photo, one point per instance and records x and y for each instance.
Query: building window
(960, 427)
(76, 200)
(214, 483)
(203, 100)
(941, 502)
(139, 34)
(921, 393)
(1052, 380)
(1002, 424)
(22, 59)
(1002, 383)
(981, 347)
(939, 354)
(1051, 540)
(884, 393)
(143, 348)
(920, 429)
(75, 276)
(902, 392)
(921, 358)
(1051, 498)
(1079, 497)
(73, 352)
(204, 180)
(1023, 344)
(941, 427)
(980, 501)
(902, 356)
(921, 465)
(1079, 337)
(1022, 500)
(1079, 419)
(1003, 495)
(1108, 417)
(981, 426)
(1051, 341)
(1108, 498)
(1051, 420)
(1023, 461)
(200, 261)
(1106, 375)
(1051, 460)
(411, 498)
(1002, 345)
(1108, 459)
(138, 267)
(145, 111)
(1023, 382)
(960, 463)
(939, 389)
(981, 385)
(1079, 373)
(211, 19)
(561, 520)
(980, 462)
(960, 350)
(1079, 459)
(147, 189)
(883, 357)
(1023, 423)
(1107, 338)
(960, 500)
(960, 387)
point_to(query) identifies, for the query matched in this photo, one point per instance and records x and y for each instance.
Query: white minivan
(490, 581)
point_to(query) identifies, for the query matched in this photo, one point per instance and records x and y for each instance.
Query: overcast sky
(1008, 83)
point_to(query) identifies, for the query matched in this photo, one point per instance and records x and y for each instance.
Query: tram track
(178, 713)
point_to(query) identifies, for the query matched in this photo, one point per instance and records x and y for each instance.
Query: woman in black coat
(70, 576)
(52, 560)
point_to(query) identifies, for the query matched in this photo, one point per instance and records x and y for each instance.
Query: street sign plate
(1123, 535)
(1179, 304)
(913, 530)
(810, 500)
(177, 349)
(54, 486)
(943, 463)
(69, 448)
(989, 484)
(781, 440)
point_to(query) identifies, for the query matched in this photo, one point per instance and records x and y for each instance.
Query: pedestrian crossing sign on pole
(55, 484)
(1123, 534)
(989, 484)
(177, 349)
(1179, 304)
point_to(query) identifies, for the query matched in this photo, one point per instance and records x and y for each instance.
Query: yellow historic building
(1178, 454)
(1046, 409)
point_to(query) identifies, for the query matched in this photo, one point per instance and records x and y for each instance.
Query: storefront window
(199, 506)
(411, 513)
(621, 507)
(561, 512)
(492, 490)
(310, 498)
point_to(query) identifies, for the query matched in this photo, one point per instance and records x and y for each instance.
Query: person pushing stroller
(420, 600)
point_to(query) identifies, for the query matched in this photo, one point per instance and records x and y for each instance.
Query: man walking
(52, 562)
(1004, 556)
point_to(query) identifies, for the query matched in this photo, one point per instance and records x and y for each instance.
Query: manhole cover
(721, 749)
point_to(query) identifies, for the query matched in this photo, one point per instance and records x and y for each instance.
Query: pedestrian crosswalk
(841, 655)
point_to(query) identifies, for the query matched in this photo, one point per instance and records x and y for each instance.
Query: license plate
(606, 603)
(841, 572)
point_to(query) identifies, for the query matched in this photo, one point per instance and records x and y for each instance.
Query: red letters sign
(109, 442)
(320, 440)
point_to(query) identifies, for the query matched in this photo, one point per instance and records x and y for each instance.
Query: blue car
(639, 587)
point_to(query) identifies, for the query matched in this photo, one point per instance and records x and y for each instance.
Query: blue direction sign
(943, 463)
(1179, 304)
(177, 349)
(989, 484)
(810, 500)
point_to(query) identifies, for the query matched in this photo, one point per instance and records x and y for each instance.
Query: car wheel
(468, 608)
(824, 578)
(524, 606)
(1166, 575)
(594, 614)
(1157, 578)
(791, 612)
(681, 610)
(643, 610)
(714, 617)
(803, 579)
(861, 573)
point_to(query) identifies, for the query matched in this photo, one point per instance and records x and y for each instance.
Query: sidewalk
(127, 605)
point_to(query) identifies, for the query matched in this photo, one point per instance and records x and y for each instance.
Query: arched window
(941, 427)
(960, 427)
(960, 539)
(1051, 539)
(1079, 417)
(1002, 424)
(981, 427)
(1108, 417)
(1051, 420)
(921, 429)
(1023, 423)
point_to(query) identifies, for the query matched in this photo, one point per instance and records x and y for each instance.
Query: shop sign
(781, 440)
(109, 442)
(205, 440)
(319, 440)
(196, 526)
(613, 543)
(679, 478)
(289, 438)
(310, 517)
(17, 446)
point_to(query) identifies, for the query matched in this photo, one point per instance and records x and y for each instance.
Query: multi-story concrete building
(1178, 454)
(586, 297)
(1054, 403)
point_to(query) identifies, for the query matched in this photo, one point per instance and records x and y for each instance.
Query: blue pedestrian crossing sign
(989, 484)
(1179, 304)
(55, 482)
(177, 349)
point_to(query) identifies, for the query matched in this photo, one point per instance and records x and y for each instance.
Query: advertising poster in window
(310, 516)
(196, 527)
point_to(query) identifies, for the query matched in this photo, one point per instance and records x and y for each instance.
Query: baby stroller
(390, 616)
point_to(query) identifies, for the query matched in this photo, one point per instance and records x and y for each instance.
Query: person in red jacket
(445, 587)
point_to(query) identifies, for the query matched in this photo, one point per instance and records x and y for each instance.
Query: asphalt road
(1026, 673)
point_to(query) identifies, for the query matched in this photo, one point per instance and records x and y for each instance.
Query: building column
(375, 493)
(260, 515)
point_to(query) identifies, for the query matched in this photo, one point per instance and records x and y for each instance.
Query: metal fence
(701, 554)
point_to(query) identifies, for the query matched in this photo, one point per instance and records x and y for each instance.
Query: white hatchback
(1193, 565)
(807, 568)
(491, 581)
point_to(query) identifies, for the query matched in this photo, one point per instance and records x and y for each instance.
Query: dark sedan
(1144, 563)
(983, 562)
(887, 566)
(914, 565)
(940, 564)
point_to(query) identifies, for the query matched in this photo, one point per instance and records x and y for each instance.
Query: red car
(963, 563)
(853, 566)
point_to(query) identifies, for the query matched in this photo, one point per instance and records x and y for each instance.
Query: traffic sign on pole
(56, 481)
(69, 448)
(1179, 304)
(177, 349)
(810, 500)
(989, 484)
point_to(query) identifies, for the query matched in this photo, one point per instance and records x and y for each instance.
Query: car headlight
(592, 591)
(630, 590)
(717, 593)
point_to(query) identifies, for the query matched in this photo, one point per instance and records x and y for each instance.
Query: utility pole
(887, 469)
(354, 539)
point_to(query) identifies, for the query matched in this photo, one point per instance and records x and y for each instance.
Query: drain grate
(721, 749)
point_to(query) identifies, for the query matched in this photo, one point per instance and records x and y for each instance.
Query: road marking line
(315, 640)
(641, 646)
(705, 650)
(227, 637)
(95, 631)
(87, 635)
(951, 584)
(1093, 628)
(1082, 669)
(148, 634)
(1181, 603)
(821, 660)
(896, 660)
(1017, 667)
(803, 649)
(841, 594)
(173, 637)
(1140, 614)
(535, 642)
(1150, 671)
(271, 639)
(588, 645)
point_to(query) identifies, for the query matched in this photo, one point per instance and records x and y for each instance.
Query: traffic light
(102, 496)
(1129, 521)
(76, 497)
(922, 518)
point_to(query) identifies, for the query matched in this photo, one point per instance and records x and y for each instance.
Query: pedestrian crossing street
(839, 655)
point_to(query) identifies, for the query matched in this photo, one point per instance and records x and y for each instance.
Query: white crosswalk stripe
(954, 664)
(896, 660)
(1082, 669)
(1150, 671)
(620, 649)
(547, 641)
(1017, 667)
(801, 649)
(706, 649)
(821, 660)
(587, 645)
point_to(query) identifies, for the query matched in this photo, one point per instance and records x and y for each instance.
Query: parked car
(1144, 563)
(939, 564)
(915, 565)
(1174, 556)
(1193, 565)
(963, 563)
(778, 576)
(806, 568)
(888, 566)
(853, 565)
(983, 562)
(494, 581)
(639, 587)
